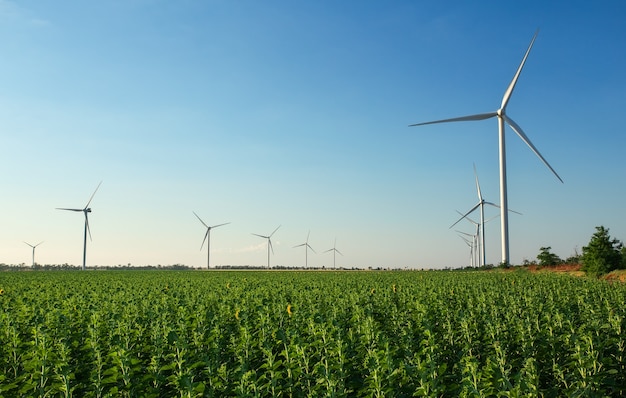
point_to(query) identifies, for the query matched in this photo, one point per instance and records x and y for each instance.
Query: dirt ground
(574, 269)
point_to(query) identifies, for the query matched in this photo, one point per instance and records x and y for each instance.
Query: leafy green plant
(602, 254)
(332, 334)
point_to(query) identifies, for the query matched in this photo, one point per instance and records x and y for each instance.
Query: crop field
(310, 334)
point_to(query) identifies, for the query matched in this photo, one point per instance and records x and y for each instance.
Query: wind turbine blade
(509, 90)
(525, 138)
(261, 236)
(219, 225)
(464, 233)
(299, 245)
(87, 224)
(197, 216)
(467, 241)
(269, 242)
(62, 208)
(492, 218)
(275, 231)
(29, 244)
(480, 116)
(465, 215)
(307, 235)
(206, 235)
(309, 246)
(468, 219)
(516, 212)
(93, 194)
(329, 250)
(480, 195)
(39, 243)
(338, 252)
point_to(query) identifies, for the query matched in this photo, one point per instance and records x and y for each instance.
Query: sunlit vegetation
(296, 334)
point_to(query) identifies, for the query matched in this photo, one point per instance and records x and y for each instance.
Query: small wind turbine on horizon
(306, 250)
(269, 244)
(34, 247)
(480, 231)
(86, 210)
(472, 245)
(207, 238)
(335, 251)
(479, 250)
(481, 204)
(502, 118)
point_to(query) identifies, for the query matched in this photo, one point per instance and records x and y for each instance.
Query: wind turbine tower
(502, 118)
(86, 210)
(207, 238)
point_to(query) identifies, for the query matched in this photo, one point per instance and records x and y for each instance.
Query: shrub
(546, 258)
(603, 253)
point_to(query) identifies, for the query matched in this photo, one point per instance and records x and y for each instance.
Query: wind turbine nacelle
(88, 210)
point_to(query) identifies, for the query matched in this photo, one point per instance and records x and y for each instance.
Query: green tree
(546, 258)
(602, 254)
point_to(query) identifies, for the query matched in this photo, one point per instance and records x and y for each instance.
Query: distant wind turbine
(471, 244)
(34, 247)
(86, 210)
(502, 118)
(480, 228)
(481, 204)
(269, 244)
(335, 251)
(306, 250)
(207, 239)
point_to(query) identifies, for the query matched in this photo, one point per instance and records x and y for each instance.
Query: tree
(546, 258)
(602, 254)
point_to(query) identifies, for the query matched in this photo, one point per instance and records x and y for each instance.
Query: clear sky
(293, 113)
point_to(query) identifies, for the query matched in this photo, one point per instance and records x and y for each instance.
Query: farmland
(286, 333)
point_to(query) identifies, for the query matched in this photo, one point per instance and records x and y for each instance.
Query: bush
(603, 254)
(546, 258)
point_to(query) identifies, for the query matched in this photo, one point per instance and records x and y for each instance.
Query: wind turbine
(480, 234)
(470, 244)
(85, 210)
(269, 244)
(34, 250)
(479, 250)
(207, 238)
(335, 251)
(502, 118)
(306, 250)
(481, 204)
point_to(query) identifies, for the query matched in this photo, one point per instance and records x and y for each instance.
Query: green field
(310, 334)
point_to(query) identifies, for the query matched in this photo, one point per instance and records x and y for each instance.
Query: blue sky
(295, 114)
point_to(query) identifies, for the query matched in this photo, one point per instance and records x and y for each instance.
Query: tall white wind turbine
(86, 210)
(335, 251)
(269, 244)
(207, 238)
(34, 247)
(502, 118)
(306, 250)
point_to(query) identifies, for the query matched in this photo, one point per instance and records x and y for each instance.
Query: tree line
(602, 255)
